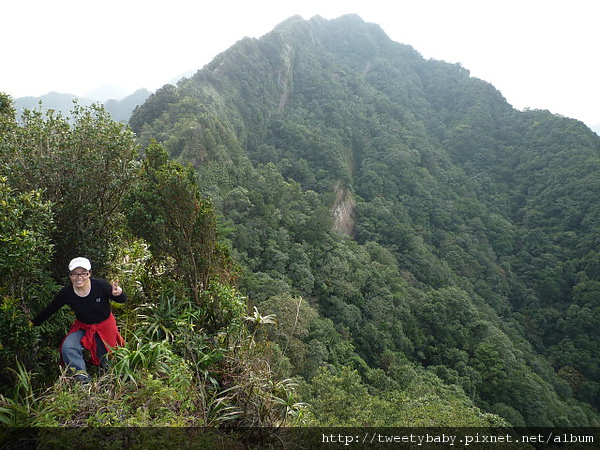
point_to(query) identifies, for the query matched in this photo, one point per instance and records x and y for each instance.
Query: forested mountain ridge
(472, 251)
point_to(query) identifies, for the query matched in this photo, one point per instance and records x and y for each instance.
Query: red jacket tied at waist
(108, 332)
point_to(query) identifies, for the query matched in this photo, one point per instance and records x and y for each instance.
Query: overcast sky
(538, 53)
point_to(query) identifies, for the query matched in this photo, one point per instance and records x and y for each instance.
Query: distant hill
(60, 102)
(120, 110)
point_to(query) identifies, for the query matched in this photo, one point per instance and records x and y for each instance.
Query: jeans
(72, 352)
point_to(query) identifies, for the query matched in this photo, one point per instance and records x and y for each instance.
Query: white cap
(80, 262)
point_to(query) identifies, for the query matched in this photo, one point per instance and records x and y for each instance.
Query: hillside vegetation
(320, 227)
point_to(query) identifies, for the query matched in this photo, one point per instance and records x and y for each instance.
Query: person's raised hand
(116, 289)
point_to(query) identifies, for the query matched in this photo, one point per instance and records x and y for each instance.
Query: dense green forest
(320, 227)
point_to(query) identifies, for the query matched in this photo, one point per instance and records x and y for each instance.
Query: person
(95, 327)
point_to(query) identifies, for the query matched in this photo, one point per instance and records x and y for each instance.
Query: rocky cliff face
(344, 210)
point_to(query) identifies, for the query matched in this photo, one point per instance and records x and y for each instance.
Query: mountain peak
(338, 132)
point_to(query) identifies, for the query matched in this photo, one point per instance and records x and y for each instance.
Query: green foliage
(26, 247)
(304, 340)
(6, 106)
(18, 339)
(131, 264)
(18, 409)
(146, 385)
(252, 394)
(342, 399)
(168, 316)
(129, 361)
(222, 306)
(181, 234)
(25, 251)
(82, 165)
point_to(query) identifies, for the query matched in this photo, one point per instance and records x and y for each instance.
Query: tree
(25, 251)
(26, 247)
(83, 165)
(166, 208)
